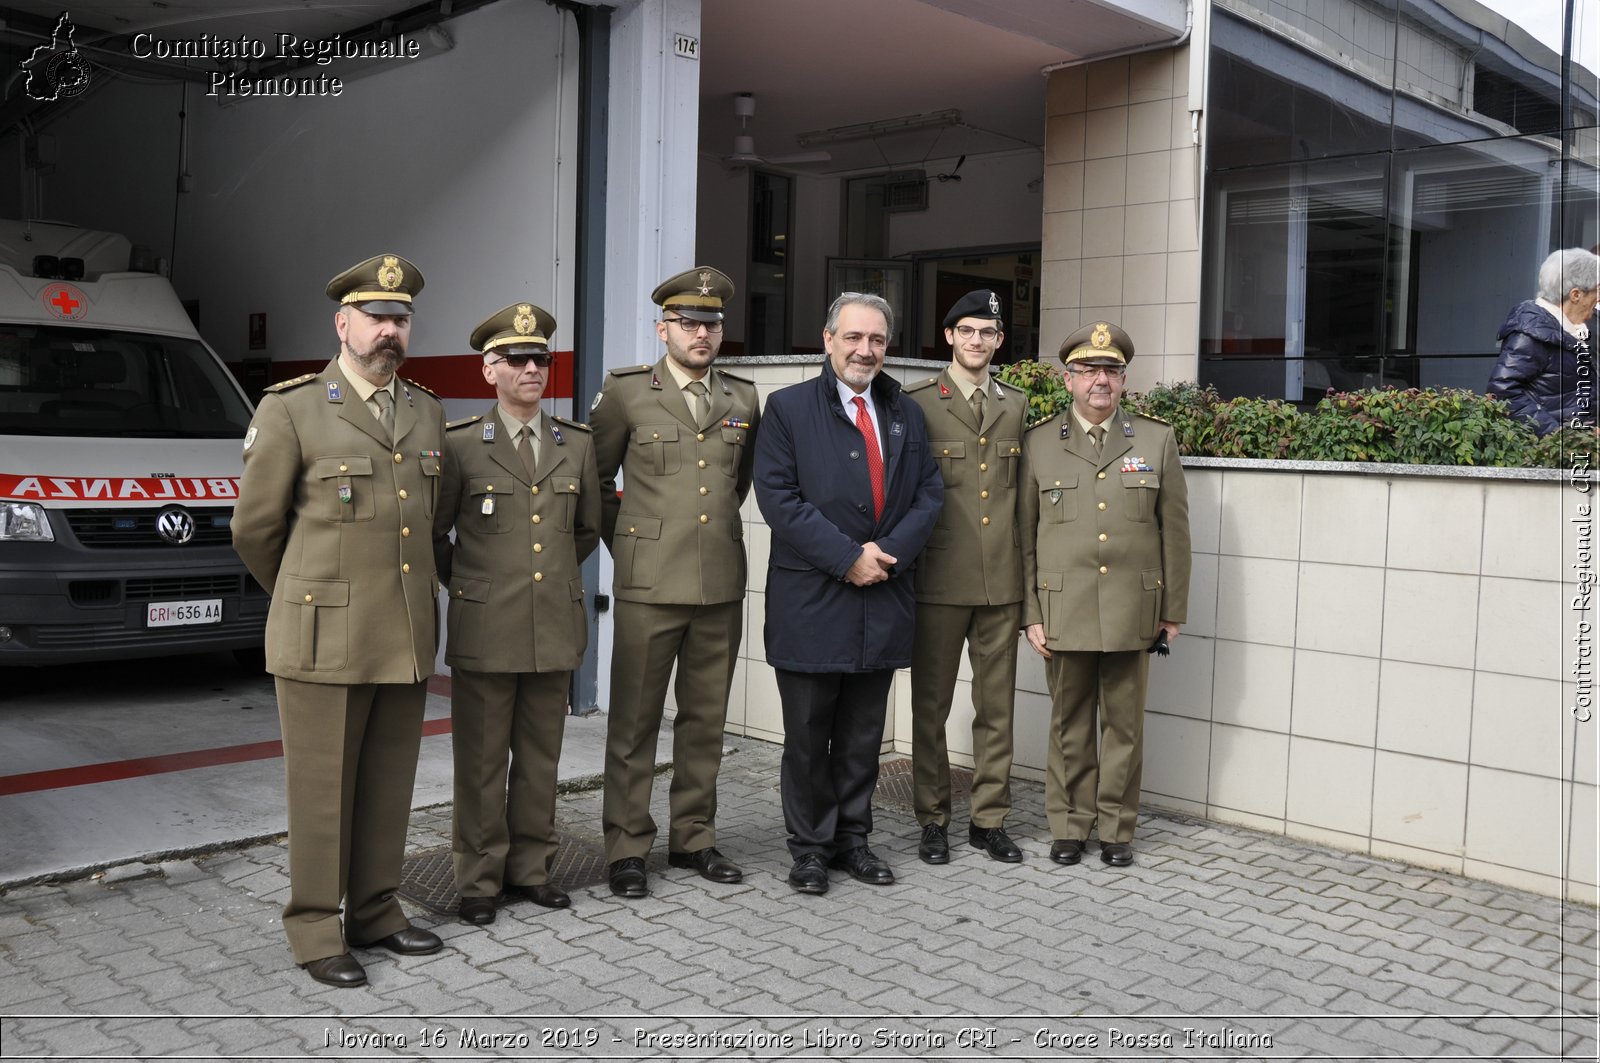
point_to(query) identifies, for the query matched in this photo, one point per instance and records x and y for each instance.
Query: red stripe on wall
(138, 767)
(451, 376)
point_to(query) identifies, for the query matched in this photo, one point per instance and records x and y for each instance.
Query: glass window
(767, 273)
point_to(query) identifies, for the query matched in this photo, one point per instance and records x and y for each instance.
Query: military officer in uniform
(682, 433)
(969, 582)
(1105, 551)
(341, 474)
(521, 491)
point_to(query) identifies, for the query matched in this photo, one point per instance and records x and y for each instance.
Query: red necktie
(874, 455)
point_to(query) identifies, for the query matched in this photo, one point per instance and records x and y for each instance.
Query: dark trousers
(832, 732)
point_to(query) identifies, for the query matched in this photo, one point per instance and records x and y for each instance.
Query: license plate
(174, 614)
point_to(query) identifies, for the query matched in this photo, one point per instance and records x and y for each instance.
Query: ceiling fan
(744, 145)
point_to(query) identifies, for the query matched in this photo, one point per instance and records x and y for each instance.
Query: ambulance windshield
(99, 382)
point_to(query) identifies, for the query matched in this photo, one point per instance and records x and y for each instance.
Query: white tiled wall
(1333, 686)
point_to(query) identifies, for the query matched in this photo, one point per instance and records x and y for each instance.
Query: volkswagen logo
(175, 525)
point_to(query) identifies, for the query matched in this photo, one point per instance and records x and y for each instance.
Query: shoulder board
(1157, 420)
(285, 385)
(736, 376)
(1008, 387)
(579, 425)
(629, 370)
(1041, 422)
(919, 385)
(421, 387)
(474, 419)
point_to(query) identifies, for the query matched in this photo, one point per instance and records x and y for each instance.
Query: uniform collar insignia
(488, 431)
(335, 394)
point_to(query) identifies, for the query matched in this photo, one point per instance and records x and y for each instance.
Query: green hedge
(1446, 426)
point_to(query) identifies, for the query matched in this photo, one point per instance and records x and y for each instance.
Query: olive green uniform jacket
(516, 594)
(335, 522)
(1105, 539)
(675, 535)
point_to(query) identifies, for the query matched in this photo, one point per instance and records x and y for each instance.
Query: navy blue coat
(1539, 373)
(812, 486)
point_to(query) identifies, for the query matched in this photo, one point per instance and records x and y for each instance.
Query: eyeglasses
(520, 361)
(1111, 372)
(966, 331)
(691, 327)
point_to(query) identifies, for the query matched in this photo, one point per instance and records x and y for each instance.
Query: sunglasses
(520, 361)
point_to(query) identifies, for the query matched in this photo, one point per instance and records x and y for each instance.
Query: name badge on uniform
(488, 431)
(488, 506)
(334, 394)
(344, 493)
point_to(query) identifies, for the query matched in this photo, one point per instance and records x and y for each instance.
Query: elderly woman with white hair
(1546, 371)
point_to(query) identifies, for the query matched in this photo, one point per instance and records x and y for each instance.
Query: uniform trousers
(1083, 790)
(703, 641)
(990, 634)
(350, 757)
(832, 732)
(505, 813)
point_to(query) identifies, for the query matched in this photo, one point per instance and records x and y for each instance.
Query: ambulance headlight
(24, 522)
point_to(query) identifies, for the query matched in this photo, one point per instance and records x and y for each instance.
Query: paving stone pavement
(1218, 943)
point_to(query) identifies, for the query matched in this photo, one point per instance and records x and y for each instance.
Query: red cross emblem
(64, 301)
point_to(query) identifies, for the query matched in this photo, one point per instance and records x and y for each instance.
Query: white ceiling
(812, 64)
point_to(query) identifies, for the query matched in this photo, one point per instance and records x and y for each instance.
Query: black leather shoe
(809, 875)
(545, 895)
(627, 877)
(1066, 850)
(477, 911)
(935, 845)
(996, 842)
(864, 866)
(412, 941)
(343, 971)
(1117, 854)
(711, 864)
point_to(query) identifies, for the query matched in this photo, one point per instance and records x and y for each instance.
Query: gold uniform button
(535, 488)
(700, 437)
(491, 487)
(1103, 570)
(705, 490)
(701, 463)
(403, 493)
(1158, 583)
(308, 598)
(983, 466)
(536, 518)
(398, 459)
(1102, 506)
(947, 452)
(538, 548)
(1058, 483)
(1141, 483)
(538, 577)
(406, 567)
(458, 594)
(986, 521)
(405, 533)
(572, 487)
(655, 435)
(344, 468)
(704, 519)
(632, 529)
(983, 441)
(983, 494)
(1102, 536)
(1100, 476)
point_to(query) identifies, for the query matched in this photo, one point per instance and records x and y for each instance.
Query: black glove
(1160, 647)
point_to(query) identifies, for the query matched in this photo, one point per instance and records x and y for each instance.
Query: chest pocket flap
(350, 465)
(656, 433)
(948, 448)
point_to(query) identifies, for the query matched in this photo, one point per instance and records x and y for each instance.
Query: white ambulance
(120, 454)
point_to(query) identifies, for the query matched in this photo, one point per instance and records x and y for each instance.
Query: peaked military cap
(519, 325)
(383, 284)
(981, 303)
(1101, 343)
(698, 294)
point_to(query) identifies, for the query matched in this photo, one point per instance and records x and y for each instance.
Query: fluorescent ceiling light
(884, 127)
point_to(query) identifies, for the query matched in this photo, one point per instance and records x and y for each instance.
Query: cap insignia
(994, 304)
(523, 322)
(1100, 339)
(390, 274)
(705, 282)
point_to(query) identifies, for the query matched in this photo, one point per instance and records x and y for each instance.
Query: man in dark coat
(845, 480)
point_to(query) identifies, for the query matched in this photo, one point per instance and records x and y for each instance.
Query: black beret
(981, 303)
